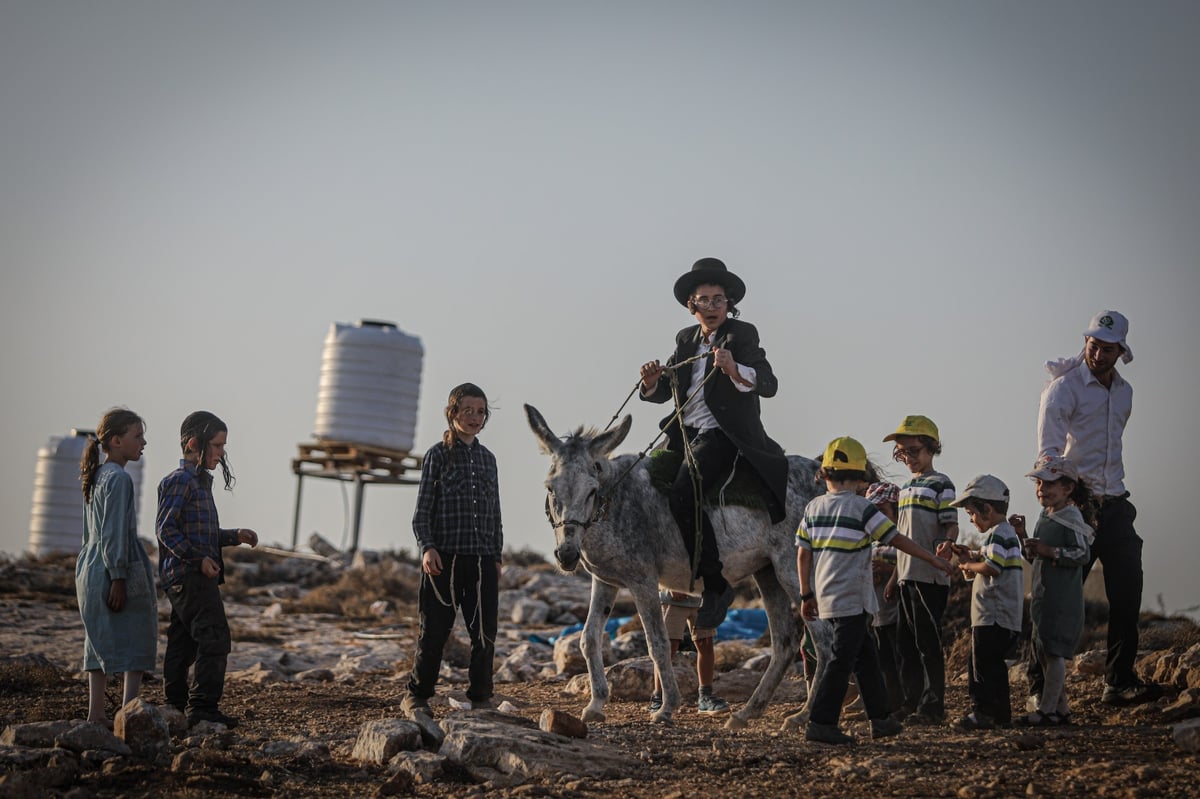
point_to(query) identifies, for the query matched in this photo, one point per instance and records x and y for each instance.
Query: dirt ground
(1108, 752)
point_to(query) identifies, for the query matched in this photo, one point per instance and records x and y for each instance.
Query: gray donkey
(609, 516)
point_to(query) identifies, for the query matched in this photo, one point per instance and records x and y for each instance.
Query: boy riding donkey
(719, 424)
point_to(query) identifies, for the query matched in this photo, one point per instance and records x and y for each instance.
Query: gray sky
(926, 200)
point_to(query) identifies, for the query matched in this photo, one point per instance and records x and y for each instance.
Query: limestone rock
(143, 728)
(494, 743)
(530, 612)
(568, 657)
(559, 723)
(380, 739)
(1185, 706)
(1187, 735)
(85, 735)
(37, 734)
(634, 679)
(1091, 662)
(424, 767)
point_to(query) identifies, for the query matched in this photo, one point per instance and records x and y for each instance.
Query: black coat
(737, 412)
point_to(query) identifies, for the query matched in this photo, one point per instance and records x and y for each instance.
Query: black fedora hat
(709, 270)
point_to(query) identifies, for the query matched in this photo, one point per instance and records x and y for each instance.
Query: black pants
(885, 643)
(919, 642)
(199, 635)
(1118, 546)
(715, 455)
(471, 583)
(853, 652)
(988, 675)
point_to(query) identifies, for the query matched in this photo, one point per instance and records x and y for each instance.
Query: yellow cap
(915, 426)
(846, 454)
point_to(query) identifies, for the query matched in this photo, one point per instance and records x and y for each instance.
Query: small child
(114, 581)
(997, 600)
(685, 611)
(191, 571)
(927, 519)
(886, 497)
(834, 562)
(457, 524)
(1059, 551)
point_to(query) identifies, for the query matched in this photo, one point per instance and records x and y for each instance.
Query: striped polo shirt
(998, 599)
(839, 528)
(923, 511)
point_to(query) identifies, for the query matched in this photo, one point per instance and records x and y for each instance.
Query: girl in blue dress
(114, 582)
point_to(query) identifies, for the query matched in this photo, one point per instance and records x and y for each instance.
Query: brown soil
(1108, 752)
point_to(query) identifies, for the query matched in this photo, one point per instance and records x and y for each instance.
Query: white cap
(984, 486)
(1113, 327)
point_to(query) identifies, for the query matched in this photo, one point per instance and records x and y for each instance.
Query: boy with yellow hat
(927, 518)
(834, 560)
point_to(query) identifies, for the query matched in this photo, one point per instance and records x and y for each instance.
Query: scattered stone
(1091, 662)
(273, 611)
(1187, 735)
(85, 735)
(425, 767)
(315, 675)
(559, 723)
(514, 750)
(399, 784)
(380, 739)
(177, 724)
(529, 611)
(633, 679)
(1185, 706)
(568, 657)
(258, 674)
(143, 728)
(1027, 742)
(38, 734)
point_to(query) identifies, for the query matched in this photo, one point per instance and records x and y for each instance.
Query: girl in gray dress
(1059, 550)
(114, 582)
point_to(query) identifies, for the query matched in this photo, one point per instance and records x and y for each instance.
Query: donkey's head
(573, 496)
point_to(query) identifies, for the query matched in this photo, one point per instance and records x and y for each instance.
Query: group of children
(114, 580)
(887, 620)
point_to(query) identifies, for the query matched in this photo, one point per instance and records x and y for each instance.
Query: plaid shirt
(187, 526)
(458, 502)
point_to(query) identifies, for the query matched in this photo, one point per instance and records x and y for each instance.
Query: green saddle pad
(746, 489)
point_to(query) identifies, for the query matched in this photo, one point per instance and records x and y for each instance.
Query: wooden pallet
(348, 458)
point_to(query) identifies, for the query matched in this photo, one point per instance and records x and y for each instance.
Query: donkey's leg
(784, 645)
(645, 596)
(591, 642)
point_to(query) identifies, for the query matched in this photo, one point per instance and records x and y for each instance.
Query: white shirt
(697, 413)
(1082, 420)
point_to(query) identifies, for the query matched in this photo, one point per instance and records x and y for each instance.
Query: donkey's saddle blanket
(745, 489)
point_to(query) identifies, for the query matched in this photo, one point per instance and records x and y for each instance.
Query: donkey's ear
(609, 440)
(547, 441)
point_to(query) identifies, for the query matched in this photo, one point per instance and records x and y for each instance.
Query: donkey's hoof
(591, 716)
(662, 717)
(736, 722)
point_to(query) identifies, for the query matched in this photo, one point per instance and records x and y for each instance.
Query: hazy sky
(926, 199)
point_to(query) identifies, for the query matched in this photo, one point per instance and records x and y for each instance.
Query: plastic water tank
(370, 385)
(56, 522)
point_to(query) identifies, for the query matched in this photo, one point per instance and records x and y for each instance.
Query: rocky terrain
(321, 654)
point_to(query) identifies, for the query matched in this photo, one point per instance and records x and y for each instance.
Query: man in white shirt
(1082, 417)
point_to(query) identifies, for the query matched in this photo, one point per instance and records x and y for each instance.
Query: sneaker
(1038, 719)
(1134, 694)
(655, 703)
(211, 716)
(885, 728)
(711, 705)
(976, 721)
(826, 734)
(413, 706)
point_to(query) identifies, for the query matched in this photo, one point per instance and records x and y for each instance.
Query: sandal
(1039, 719)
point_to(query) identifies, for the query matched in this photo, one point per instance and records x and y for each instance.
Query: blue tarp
(740, 624)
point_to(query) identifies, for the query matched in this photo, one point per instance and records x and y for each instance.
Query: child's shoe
(976, 721)
(885, 728)
(826, 734)
(711, 705)
(655, 703)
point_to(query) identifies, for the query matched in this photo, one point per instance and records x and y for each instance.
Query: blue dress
(126, 641)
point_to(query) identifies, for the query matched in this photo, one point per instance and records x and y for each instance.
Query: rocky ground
(322, 652)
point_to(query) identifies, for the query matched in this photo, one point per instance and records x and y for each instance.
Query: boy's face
(984, 518)
(914, 454)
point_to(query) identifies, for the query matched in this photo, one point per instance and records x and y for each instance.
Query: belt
(1112, 498)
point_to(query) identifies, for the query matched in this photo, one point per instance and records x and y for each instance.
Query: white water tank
(56, 521)
(370, 385)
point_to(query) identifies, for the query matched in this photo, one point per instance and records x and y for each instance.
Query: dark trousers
(853, 652)
(988, 676)
(885, 643)
(198, 635)
(715, 455)
(471, 583)
(919, 643)
(1119, 548)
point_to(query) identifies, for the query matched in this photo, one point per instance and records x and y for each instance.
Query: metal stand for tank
(358, 463)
